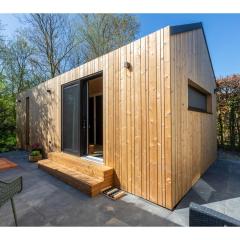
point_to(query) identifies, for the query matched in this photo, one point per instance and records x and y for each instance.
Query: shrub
(35, 153)
(7, 142)
(37, 147)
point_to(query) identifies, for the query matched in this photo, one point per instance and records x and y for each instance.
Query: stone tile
(32, 218)
(232, 208)
(115, 222)
(46, 201)
(146, 205)
(26, 215)
(180, 217)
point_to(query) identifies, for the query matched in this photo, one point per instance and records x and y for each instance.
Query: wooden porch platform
(6, 164)
(87, 176)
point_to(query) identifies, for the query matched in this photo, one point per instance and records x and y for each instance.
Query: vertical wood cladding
(156, 146)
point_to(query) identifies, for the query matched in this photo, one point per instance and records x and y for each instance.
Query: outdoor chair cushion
(9, 189)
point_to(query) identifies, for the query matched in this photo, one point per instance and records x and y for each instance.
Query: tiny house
(141, 117)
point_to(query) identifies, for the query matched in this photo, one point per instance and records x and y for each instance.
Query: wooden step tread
(80, 160)
(89, 180)
(80, 173)
(79, 164)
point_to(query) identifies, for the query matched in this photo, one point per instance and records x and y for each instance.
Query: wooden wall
(137, 114)
(149, 136)
(194, 133)
(137, 139)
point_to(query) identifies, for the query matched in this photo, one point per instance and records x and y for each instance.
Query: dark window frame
(203, 92)
(73, 82)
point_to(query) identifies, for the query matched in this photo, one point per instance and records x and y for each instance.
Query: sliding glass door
(83, 117)
(74, 117)
(71, 118)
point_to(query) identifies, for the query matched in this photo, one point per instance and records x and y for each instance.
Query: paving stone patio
(46, 201)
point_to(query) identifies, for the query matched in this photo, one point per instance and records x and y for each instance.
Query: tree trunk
(220, 129)
(238, 131)
(232, 127)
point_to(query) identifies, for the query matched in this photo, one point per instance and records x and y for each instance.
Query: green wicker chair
(8, 190)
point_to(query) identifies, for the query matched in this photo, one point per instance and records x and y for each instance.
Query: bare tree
(101, 33)
(52, 37)
(2, 46)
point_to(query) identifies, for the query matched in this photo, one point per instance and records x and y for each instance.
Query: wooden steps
(82, 174)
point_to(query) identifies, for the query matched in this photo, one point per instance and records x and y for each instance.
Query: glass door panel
(71, 119)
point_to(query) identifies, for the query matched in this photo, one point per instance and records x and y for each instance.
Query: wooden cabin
(142, 117)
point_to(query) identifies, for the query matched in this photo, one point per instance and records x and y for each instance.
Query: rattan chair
(8, 190)
(202, 216)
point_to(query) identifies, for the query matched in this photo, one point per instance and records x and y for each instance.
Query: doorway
(95, 118)
(82, 117)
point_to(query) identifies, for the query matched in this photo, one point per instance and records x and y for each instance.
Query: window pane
(91, 120)
(196, 99)
(71, 118)
(99, 120)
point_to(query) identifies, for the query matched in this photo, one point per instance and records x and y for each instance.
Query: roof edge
(190, 27)
(205, 39)
(185, 28)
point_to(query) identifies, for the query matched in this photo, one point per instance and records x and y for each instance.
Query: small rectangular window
(198, 98)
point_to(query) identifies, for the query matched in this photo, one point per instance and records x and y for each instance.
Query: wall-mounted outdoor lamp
(49, 91)
(215, 90)
(127, 65)
(19, 101)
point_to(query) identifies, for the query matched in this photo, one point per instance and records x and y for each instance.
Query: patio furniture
(203, 216)
(7, 192)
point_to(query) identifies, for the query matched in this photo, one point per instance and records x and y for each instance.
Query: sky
(222, 34)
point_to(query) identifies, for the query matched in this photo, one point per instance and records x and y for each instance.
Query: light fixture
(49, 91)
(19, 101)
(127, 65)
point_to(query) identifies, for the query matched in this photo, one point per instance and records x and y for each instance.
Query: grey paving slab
(46, 201)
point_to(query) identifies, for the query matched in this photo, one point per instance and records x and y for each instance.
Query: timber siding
(194, 142)
(157, 147)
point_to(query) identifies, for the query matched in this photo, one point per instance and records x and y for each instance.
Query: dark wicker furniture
(203, 216)
(8, 190)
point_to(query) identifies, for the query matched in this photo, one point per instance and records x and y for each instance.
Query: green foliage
(16, 64)
(228, 112)
(35, 153)
(49, 45)
(7, 118)
(7, 142)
